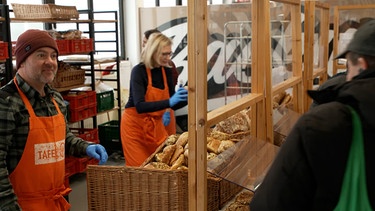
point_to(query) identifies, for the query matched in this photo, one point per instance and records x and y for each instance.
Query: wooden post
(308, 50)
(297, 56)
(261, 66)
(197, 104)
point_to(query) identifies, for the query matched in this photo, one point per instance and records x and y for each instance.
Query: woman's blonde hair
(151, 52)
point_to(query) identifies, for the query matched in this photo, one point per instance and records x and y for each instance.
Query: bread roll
(171, 140)
(183, 139)
(167, 154)
(224, 145)
(244, 197)
(238, 207)
(179, 150)
(178, 162)
(279, 97)
(239, 122)
(218, 135)
(286, 100)
(159, 157)
(210, 155)
(159, 165)
(182, 168)
(149, 166)
(213, 146)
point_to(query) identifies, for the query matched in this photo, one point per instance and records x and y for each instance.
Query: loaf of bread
(178, 162)
(183, 139)
(171, 139)
(224, 145)
(167, 153)
(178, 151)
(157, 165)
(237, 123)
(244, 197)
(213, 146)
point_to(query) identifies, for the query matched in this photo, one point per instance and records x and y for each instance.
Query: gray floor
(78, 196)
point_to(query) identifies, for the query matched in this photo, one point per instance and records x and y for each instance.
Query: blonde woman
(152, 93)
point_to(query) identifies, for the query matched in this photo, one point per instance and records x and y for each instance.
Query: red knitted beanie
(30, 41)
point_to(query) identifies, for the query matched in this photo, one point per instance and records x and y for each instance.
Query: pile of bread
(241, 202)
(282, 99)
(72, 34)
(175, 151)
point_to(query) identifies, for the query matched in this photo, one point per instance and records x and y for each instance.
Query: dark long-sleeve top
(138, 88)
(14, 129)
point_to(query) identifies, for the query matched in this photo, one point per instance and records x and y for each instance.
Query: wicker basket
(44, 11)
(129, 188)
(68, 78)
(226, 189)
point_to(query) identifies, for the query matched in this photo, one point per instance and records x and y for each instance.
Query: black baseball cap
(363, 41)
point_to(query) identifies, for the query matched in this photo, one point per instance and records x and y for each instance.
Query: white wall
(131, 27)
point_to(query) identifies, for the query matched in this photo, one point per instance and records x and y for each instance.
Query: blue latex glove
(166, 118)
(180, 96)
(98, 152)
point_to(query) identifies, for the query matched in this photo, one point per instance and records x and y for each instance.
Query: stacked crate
(82, 105)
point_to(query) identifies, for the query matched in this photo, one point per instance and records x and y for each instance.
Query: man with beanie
(308, 172)
(34, 136)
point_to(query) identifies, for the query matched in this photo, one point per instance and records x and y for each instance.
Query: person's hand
(98, 152)
(166, 118)
(180, 96)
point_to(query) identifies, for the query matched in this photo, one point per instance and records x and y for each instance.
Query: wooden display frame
(312, 10)
(260, 100)
(335, 64)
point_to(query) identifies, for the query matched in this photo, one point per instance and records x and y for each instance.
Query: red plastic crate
(13, 47)
(87, 134)
(82, 113)
(81, 164)
(63, 46)
(70, 166)
(80, 99)
(81, 46)
(3, 50)
(93, 161)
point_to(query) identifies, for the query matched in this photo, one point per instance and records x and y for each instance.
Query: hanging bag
(353, 195)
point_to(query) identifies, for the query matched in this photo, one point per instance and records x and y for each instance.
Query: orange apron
(142, 133)
(38, 180)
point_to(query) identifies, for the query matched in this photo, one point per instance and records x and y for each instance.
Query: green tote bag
(353, 195)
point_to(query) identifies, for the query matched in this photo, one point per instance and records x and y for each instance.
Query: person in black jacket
(307, 173)
(329, 84)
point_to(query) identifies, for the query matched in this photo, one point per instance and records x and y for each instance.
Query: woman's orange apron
(38, 180)
(141, 134)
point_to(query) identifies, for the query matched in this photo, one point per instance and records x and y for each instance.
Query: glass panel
(245, 164)
(229, 53)
(281, 42)
(349, 22)
(318, 48)
(224, 38)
